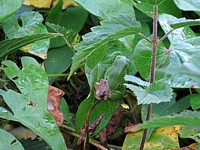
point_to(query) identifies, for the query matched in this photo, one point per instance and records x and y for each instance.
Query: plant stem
(87, 123)
(146, 38)
(153, 64)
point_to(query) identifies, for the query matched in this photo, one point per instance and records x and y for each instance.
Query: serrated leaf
(136, 80)
(9, 7)
(188, 121)
(195, 101)
(9, 46)
(107, 107)
(9, 142)
(109, 30)
(33, 85)
(182, 22)
(31, 24)
(107, 9)
(157, 92)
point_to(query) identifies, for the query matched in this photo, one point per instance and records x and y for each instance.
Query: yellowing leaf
(48, 3)
(161, 138)
(38, 3)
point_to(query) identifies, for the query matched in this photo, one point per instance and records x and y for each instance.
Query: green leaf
(9, 46)
(107, 9)
(157, 92)
(142, 57)
(195, 101)
(182, 22)
(107, 107)
(189, 122)
(31, 24)
(33, 85)
(116, 72)
(9, 7)
(9, 142)
(64, 108)
(166, 7)
(58, 60)
(180, 34)
(136, 80)
(188, 5)
(109, 30)
(66, 19)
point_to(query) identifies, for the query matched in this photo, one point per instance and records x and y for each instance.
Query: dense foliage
(128, 68)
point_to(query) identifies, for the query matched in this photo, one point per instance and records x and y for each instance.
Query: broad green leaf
(116, 72)
(189, 122)
(167, 7)
(153, 2)
(107, 9)
(182, 22)
(188, 5)
(157, 92)
(58, 60)
(9, 46)
(33, 85)
(136, 80)
(125, 45)
(9, 142)
(109, 30)
(161, 138)
(9, 7)
(30, 78)
(66, 19)
(142, 57)
(107, 107)
(97, 64)
(195, 101)
(183, 68)
(31, 24)
(180, 34)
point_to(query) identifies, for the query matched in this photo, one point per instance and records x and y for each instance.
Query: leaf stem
(164, 37)
(152, 71)
(146, 38)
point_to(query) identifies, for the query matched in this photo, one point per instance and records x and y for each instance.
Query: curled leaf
(53, 107)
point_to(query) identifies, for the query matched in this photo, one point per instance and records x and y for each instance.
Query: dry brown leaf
(53, 108)
(112, 126)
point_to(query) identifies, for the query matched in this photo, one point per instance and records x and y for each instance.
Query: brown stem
(87, 124)
(164, 37)
(152, 72)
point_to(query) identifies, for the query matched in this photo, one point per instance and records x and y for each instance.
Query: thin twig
(146, 38)
(93, 142)
(164, 37)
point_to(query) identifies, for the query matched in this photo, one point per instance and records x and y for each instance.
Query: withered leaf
(111, 127)
(54, 95)
(103, 89)
(91, 128)
(130, 128)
